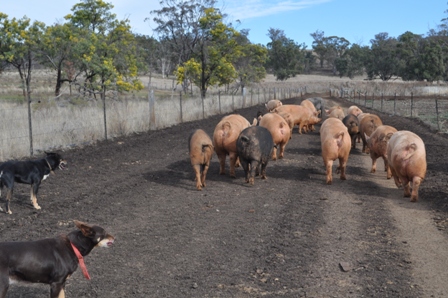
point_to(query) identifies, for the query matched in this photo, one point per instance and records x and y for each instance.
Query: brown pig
(406, 155)
(280, 131)
(224, 140)
(307, 103)
(300, 116)
(336, 144)
(272, 104)
(200, 147)
(336, 112)
(354, 110)
(377, 143)
(367, 126)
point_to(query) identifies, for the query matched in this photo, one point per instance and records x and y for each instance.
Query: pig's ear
(244, 139)
(255, 122)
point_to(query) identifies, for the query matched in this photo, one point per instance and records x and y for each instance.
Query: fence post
(219, 101)
(373, 98)
(152, 112)
(103, 95)
(382, 98)
(412, 103)
(365, 99)
(30, 126)
(275, 94)
(437, 114)
(258, 94)
(180, 102)
(395, 102)
(233, 102)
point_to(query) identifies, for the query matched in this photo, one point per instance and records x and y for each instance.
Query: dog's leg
(57, 290)
(8, 200)
(34, 189)
(4, 282)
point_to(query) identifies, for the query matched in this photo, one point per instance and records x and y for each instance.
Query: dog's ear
(86, 230)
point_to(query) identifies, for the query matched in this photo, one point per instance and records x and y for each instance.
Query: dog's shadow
(19, 198)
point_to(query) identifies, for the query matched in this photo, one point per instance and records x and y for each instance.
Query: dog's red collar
(81, 262)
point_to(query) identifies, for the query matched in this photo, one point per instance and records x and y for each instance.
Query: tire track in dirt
(426, 245)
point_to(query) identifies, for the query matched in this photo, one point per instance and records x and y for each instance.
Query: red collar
(81, 262)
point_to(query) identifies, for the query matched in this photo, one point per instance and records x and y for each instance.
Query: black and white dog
(31, 172)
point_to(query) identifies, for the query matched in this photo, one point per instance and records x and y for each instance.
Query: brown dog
(50, 261)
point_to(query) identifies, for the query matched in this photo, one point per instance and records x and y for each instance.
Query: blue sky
(356, 20)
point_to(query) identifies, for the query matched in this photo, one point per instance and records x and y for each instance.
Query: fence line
(432, 110)
(58, 124)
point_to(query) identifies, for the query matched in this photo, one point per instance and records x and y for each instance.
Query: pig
(224, 140)
(335, 112)
(272, 104)
(200, 147)
(406, 156)
(336, 144)
(300, 116)
(377, 143)
(307, 103)
(280, 131)
(352, 124)
(319, 103)
(254, 146)
(360, 116)
(367, 125)
(354, 110)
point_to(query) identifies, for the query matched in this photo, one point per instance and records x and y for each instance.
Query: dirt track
(283, 237)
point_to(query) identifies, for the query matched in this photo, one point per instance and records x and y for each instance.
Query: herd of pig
(253, 145)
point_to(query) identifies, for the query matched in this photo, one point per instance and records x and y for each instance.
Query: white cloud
(243, 10)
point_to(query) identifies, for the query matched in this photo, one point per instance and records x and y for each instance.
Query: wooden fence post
(219, 101)
(180, 102)
(395, 103)
(152, 111)
(437, 114)
(412, 103)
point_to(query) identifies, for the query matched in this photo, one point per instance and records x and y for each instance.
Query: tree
(19, 40)
(319, 47)
(105, 46)
(250, 65)
(178, 24)
(352, 62)
(335, 48)
(383, 60)
(285, 57)
(212, 61)
(56, 52)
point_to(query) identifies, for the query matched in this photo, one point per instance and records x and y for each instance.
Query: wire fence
(58, 124)
(430, 109)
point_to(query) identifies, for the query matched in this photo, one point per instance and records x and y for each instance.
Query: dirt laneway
(283, 237)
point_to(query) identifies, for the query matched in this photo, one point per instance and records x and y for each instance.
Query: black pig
(254, 146)
(352, 124)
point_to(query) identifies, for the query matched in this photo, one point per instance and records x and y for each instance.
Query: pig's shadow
(180, 174)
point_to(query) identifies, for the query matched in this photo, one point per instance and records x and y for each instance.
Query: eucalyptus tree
(319, 47)
(212, 62)
(56, 52)
(19, 39)
(105, 47)
(383, 61)
(285, 57)
(250, 64)
(352, 61)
